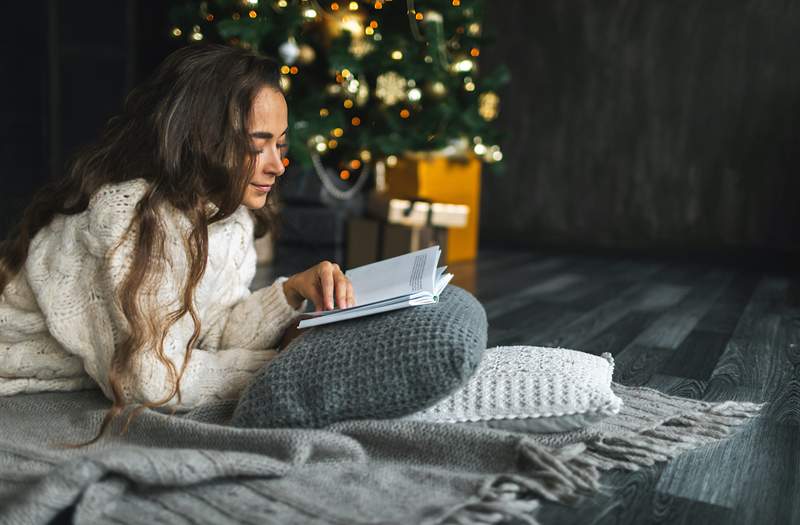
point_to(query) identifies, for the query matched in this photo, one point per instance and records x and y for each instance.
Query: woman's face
(269, 124)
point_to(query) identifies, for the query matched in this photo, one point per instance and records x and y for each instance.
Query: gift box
(370, 240)
(445, 180)
(417, 211)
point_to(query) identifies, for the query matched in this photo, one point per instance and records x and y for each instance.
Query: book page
(405, 275)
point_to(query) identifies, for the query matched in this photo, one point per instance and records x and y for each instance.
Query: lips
(262, 187)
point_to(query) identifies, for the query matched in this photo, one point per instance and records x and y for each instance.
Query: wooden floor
(695, 329)
(700, 330)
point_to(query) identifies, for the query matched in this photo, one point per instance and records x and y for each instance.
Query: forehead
(269, 112)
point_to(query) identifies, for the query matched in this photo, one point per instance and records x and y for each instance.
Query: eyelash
(283, 146)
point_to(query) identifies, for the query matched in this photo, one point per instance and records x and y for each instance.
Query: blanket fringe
(564, 474)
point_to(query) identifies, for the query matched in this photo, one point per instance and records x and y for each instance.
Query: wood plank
(670, 329)
(697, 355)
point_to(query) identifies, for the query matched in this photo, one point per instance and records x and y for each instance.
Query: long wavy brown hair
(184, 130)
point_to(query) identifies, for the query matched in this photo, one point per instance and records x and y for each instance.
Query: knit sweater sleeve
(251, 327)
(257, 319)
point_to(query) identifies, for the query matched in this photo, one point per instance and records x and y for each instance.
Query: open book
(406, 280)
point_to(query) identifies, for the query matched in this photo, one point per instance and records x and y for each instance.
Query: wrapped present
(441, 180)
(417, 211)
(370, 240)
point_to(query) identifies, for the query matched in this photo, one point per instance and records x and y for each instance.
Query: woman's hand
(320, 284)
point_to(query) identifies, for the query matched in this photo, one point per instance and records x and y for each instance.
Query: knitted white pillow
(547, 389)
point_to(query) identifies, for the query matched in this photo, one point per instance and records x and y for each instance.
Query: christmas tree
(366, 80)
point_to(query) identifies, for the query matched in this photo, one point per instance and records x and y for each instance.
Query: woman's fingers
(326, 279)
(351, 297)
(341, 289)
(333, 284)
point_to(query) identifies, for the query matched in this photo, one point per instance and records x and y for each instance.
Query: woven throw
(557, 388)
(195, 468)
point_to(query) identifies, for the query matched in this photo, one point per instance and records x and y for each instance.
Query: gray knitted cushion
(379, 366)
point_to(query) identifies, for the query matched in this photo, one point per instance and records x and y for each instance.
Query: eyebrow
(266, 134)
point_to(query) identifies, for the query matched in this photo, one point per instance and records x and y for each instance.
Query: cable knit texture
(59, 322)
(379, 366)
(555, 389)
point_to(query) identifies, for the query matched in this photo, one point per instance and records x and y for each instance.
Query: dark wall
(65, 72)
(649, 125)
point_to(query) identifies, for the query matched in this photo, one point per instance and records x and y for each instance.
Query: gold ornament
(488, 104)
(360, 47)
(436, 89)
(333, 89)
(307, 54)
(390, 88)
(362, 96)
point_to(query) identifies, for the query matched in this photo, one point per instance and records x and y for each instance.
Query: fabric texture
(379, 366)
(195, 468)
(59, 322)
(555, 389)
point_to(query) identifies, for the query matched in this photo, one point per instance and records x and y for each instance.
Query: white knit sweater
(59, 324)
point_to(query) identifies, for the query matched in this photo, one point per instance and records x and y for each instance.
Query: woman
(132, 273)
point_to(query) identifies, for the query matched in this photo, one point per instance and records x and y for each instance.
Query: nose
(274, 164)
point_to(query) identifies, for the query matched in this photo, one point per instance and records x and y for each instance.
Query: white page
(341, 315)
(411, 274)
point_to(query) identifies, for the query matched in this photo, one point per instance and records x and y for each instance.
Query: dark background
(633, 126)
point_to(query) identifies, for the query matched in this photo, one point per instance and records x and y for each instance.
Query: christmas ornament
(289, 51)
(390, 88)
(436, 90)
(362, 95)
(488, 105)
(360, 47)
(307, 54)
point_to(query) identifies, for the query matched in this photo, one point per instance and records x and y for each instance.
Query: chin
(255, 202)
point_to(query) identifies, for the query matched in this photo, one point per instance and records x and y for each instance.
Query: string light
(293, 70)
(285, 69)
(334, 6)
(324, 112)
(252, 14)
(236, 16)
(474, 52)
(355, 164)
(337, 132)
(397, 54)
(344, 174)
(348, 103)
(391, 161)
(285, 161)
(332, 143)
(404, 113)
(353, 6)
(418, 16)
(355, 121)
(282, 3)
(176, 32)
(378, 5)
(310, 13)
(456, 3)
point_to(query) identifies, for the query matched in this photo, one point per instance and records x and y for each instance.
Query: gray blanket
(194, 469)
